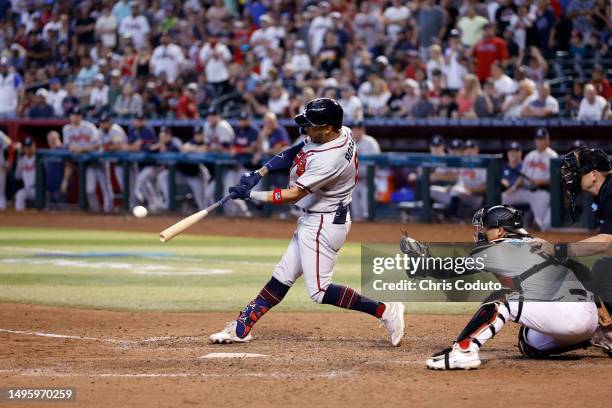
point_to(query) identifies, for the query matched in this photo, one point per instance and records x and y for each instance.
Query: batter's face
(321, 134)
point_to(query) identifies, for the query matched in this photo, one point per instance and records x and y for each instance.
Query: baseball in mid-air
(139, 211)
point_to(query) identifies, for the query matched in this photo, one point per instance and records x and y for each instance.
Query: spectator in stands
(513, 105)
(135, 26)
(395, 17)
(592, 106)
(520, 23)
(11, 90)
(106, 27)
(87, 72)
(544, 27)
(470, 95)
(98, 97)
(367, 26)
(543, 106)
(536, 179)
(366, 145)
(300, 60)
(167, 58)
(431, 20)
(71, 101)
(26, 171)
(435, 61)
(447, 107)
(454, 62)
(601, 83)
(351, 104)
(375, 101)
(581, 13)
(537, 70)
(423, 108)
(279, 100)
(487, 51)
(55, 96)
(114, 86)
(186, 107)
(215, 57)
(128, 103)
(40, 109)
(6, 163)
(273, 137)
(471, 26)
(502, 83)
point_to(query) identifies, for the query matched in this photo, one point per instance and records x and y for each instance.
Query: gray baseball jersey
(115, 135)
(327, 171)
(537, 164)
(509, 258)
(83, 135)
(26, 170)
(5, 142)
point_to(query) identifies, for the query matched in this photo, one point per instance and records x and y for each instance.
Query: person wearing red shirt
(488, 51)
(186, 107)
(601, 83)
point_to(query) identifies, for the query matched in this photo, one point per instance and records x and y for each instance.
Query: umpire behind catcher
(589, 170)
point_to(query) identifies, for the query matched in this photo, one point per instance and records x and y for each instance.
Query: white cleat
(393, 320)
(603, 340)
(455, 358)
(228, 335)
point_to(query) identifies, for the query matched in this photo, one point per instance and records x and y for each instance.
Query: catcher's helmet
(321, 112)
(505, 216)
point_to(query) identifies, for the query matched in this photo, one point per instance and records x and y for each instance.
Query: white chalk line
(333, 374)
(233, 355)
(98, 339)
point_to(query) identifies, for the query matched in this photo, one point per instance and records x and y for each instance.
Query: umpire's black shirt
(603, 206)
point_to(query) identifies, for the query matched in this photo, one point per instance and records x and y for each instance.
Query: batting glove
(250, 179)
(240, 192)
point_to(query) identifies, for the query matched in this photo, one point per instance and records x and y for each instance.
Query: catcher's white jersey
(327, 171)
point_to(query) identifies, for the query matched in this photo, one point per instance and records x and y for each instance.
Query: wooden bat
(176, 229)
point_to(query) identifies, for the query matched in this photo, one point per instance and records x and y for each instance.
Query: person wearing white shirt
(137, 26)
(533, 185)
(168, 58)
(366, 145)
(56, 96)
(544, 105)
(106, 28)
(592, 106)
(215, 56)
(267, 36)
(503, 85)
(300, 60)
(319, 25)
(11, 90)
(471, 27)
(53, 25)
(98, 97)
(395, 17)
(279, 100)
(350, 103)
(453, 69)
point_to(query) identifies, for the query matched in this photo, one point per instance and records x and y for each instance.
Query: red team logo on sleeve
(300, 163)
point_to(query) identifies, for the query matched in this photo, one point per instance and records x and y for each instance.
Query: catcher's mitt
(412, 247)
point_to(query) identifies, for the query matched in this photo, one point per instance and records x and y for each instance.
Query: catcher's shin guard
(487, 321)
(532, 352)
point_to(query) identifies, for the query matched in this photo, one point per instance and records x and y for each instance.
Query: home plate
(233, 355)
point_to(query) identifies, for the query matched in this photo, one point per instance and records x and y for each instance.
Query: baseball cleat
(603, 340)
(455, 358)
(228, 335)
(393, 320)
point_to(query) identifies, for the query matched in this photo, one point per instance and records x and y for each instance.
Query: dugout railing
(221, 161)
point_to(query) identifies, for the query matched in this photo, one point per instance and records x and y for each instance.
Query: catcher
(556, 313)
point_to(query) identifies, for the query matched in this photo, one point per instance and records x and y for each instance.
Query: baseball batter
(322, 178)
(556, 313)
(81, 136)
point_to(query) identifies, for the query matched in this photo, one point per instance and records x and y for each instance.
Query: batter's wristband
(561, 251)
(277, 196)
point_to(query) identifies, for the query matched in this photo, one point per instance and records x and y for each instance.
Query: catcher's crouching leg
(529, 350)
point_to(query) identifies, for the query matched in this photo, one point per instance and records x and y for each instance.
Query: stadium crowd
(399, 59)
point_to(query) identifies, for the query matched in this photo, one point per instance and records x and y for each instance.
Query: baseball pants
(359, 204)
(96, 174)
(197, 184)
(539, 202)
(23, 194)
(2, 187)
(313, 252)
(556, 324)
(146, 187)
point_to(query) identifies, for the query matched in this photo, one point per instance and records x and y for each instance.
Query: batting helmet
(505, 216)
(321, 112)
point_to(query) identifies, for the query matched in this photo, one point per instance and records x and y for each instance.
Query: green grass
(191, 273)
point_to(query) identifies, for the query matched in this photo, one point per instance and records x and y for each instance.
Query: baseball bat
(176, 229)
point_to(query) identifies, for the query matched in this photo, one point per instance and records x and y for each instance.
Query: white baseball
(139, 211)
